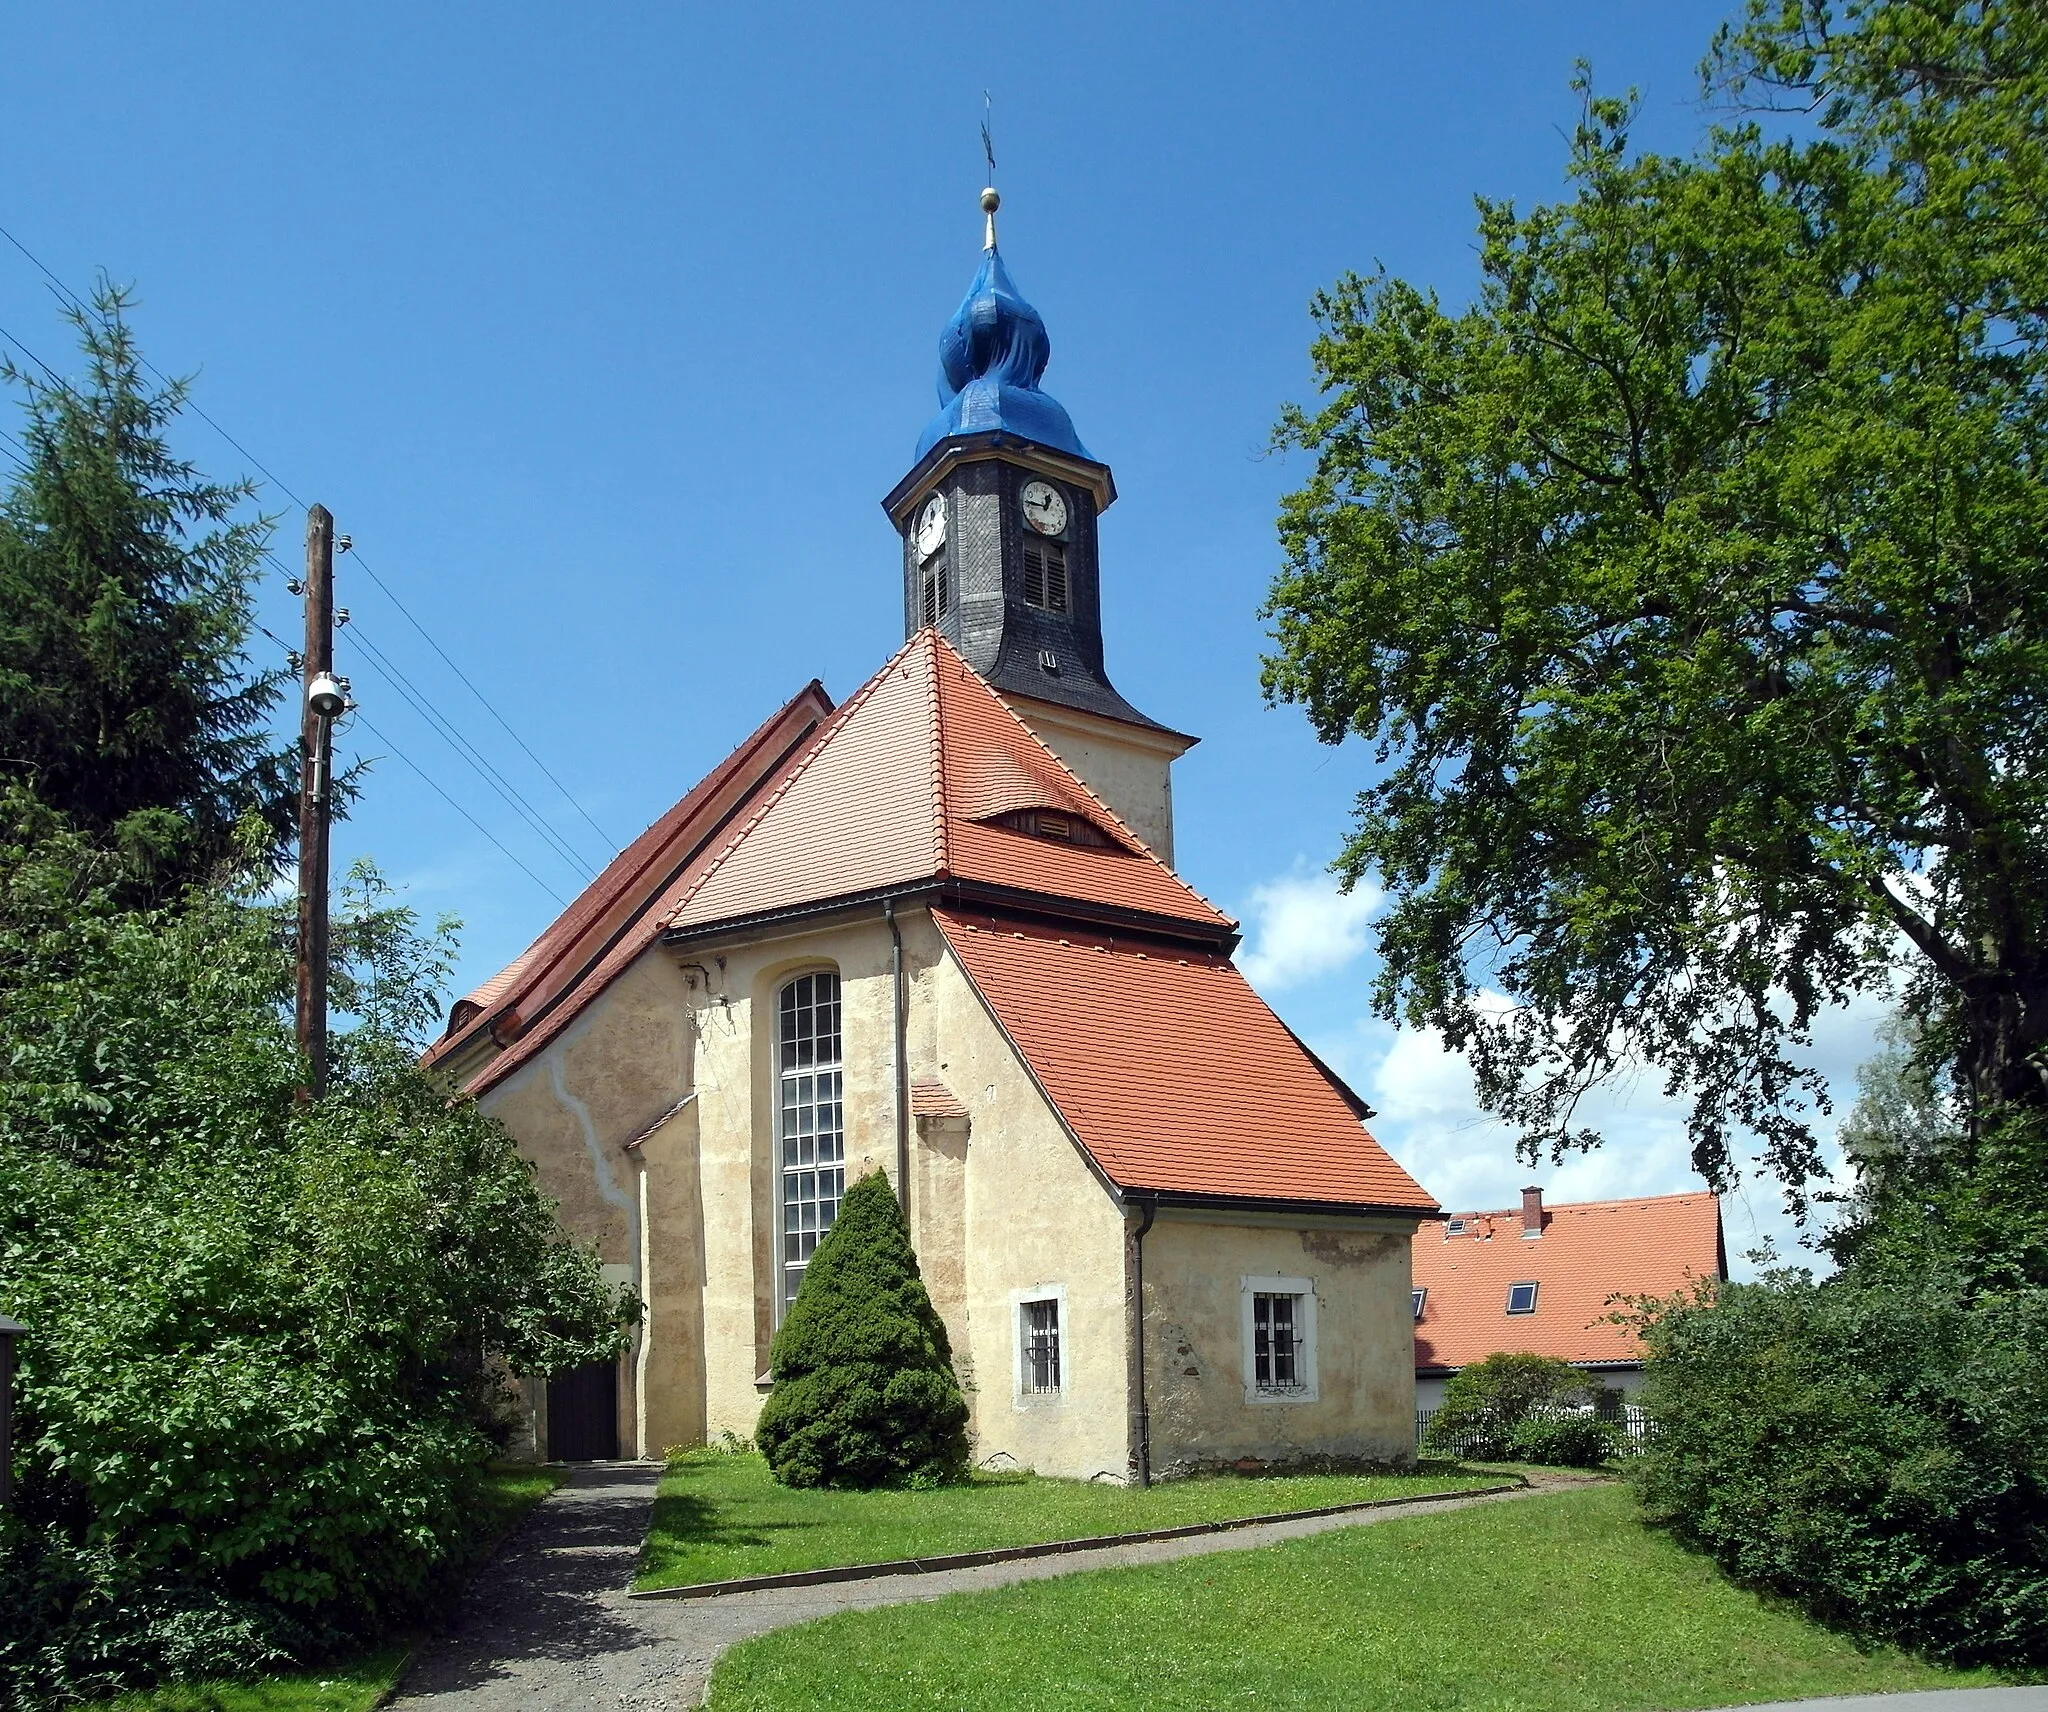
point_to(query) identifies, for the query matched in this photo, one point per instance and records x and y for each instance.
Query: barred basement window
(1045, 575)
(1279, 1340)
(1040, 1333)
(1274, 1348)
(935, 587)
(811, 1123)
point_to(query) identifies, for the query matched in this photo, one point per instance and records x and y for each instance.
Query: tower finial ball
(990, 201)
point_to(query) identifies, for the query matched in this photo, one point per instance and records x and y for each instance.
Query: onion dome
(991, 356)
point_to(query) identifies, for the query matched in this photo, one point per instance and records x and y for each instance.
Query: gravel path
(547, 1625)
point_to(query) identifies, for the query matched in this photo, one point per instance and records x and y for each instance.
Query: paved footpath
(546, 1625)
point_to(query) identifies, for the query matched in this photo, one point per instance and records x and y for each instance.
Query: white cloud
(1301, 928)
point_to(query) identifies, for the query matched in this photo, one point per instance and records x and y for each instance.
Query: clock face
(1044, 509)
(931, 526)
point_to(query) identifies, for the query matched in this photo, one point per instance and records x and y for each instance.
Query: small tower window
(1045, 574)
(935, 589)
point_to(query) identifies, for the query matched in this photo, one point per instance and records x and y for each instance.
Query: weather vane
(990, 201)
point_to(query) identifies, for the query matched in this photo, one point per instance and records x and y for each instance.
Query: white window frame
(777, 1075)
(1019, 1397)
(1535, 1288)
(1309, 1390)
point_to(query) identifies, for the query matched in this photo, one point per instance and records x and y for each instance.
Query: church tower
(998, 523)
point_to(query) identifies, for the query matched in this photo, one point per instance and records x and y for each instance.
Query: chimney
(1532, 1212)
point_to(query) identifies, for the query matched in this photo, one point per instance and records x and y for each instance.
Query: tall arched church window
(811, 1125)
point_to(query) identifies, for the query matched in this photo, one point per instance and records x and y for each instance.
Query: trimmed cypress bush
(864, 1389)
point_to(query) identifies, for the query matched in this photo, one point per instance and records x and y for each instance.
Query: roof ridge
(1076, 780)
(625, 876)
(821, 740)
(1585, 1206)
(942, 843)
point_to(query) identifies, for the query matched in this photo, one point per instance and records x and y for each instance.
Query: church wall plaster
(1194, 1357)
(1001, 1203)
(624, 1062)
(1035, 1215)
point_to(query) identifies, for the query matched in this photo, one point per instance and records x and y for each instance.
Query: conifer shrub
(864, 1394)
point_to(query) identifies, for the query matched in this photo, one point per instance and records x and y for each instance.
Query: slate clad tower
(998, 522)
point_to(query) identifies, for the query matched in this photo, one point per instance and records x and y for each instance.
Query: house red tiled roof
(908, 782)
(1171, 1071)
(1589, 1253)
(620, 913)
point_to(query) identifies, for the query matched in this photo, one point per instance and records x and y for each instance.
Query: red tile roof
(900, 785)
(1171, 1071)
(906, 784)
(620, 913)
(1589, 1252)
(931, 1098)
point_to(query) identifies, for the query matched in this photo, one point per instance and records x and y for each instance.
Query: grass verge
(1557, 1603)
(356, 1684)
(720, 1515)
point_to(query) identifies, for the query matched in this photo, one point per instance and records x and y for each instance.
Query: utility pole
(323, 699)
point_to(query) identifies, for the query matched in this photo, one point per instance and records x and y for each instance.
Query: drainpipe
(902, 1058)
(644, 1331)
(1143, 1415)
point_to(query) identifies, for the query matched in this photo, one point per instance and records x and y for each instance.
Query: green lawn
(353, 1685)
(721, 1515)
(1558, 1603)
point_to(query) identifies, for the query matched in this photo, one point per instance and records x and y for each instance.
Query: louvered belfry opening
(1045, 575)
(935, 588)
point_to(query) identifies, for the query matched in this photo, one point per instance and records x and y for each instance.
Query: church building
(935, 931)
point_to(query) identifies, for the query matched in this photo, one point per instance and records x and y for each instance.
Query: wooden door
(583, 1413)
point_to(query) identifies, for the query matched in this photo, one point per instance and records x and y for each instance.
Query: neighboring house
(935, 932)
(1546, 1279)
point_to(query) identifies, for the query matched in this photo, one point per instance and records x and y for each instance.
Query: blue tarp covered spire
(991, 356)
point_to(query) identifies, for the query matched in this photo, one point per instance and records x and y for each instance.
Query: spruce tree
(127, 702)
(864, 1393)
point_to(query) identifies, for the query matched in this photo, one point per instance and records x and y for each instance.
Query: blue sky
(603, 330)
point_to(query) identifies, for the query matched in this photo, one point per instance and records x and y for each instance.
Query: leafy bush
(266, 1340)
(1874, 1447)
(1562, 1441)
(865, 1393)
(1486, 1402)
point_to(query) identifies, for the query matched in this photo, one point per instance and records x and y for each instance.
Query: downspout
(644, 1338)
(1143, 1417)
(902, 1058)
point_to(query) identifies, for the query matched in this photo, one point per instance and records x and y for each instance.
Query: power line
(292, 655)
(459, 809)
(451, 734)
(610, 842)
(381, 663)
(32, 357)
(79, 304)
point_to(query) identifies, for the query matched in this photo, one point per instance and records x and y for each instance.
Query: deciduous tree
(1692, 584)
